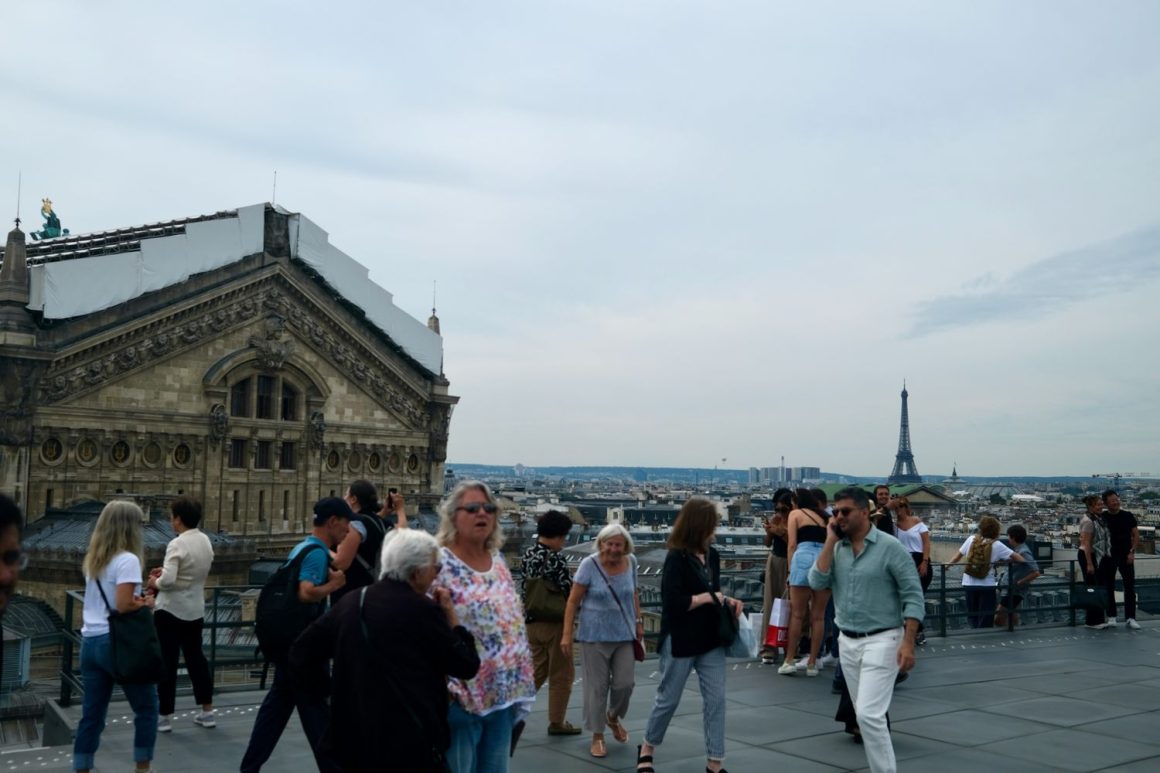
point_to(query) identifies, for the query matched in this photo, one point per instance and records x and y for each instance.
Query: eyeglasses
(844, 511)
(17, 559)
(475, 507)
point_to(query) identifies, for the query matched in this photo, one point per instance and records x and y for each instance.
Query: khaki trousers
(551, 666)
(775, 570)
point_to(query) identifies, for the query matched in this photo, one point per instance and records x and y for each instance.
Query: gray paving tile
(970, 727)
(1061, 710)
(967, 760)
(1137, 727)
(839, 749)
(1136, 696)
(1149, 765)
(1074, 750)
(976, 694)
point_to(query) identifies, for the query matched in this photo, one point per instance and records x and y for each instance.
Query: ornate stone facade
(254, 386)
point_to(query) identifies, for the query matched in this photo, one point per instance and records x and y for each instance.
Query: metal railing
(231, 644)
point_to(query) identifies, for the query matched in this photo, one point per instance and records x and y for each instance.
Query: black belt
(857, 635)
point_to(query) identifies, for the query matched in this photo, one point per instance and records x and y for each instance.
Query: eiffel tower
(904, 470)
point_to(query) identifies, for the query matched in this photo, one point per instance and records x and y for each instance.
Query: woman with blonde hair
(112, 569)
(604, 591)
(483, 711)
(983, 551)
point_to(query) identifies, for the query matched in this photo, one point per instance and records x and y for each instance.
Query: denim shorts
(803, 559)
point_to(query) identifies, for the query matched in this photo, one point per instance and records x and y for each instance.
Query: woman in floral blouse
(483, 710)
(552, 665)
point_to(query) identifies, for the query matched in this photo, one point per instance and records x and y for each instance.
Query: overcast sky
(670, 233)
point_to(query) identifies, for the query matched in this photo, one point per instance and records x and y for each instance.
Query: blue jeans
(711, 678)
(479, 744)
(97, 675)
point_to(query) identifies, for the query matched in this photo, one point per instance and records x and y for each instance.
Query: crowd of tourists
(453, 693)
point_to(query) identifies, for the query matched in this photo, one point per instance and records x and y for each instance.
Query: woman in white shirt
(983, 551)
(915, 537)
(180, 586)
(113, 561)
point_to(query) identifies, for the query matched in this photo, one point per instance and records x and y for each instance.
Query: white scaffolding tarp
(74, 287)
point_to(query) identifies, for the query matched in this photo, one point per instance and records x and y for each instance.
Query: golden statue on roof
(52, 227)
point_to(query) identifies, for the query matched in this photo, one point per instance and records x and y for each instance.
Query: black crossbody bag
(133, 644)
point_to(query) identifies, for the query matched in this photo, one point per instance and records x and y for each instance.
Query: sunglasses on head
(475, 507)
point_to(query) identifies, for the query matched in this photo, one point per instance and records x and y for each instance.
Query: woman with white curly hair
(393, 649)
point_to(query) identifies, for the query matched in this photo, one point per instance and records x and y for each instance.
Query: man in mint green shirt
(878, 604)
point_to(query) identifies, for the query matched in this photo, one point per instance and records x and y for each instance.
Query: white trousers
(870, 665)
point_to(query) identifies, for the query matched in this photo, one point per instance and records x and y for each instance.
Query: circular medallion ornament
(332, 460)
(412, 464)
(120, 453)
(374, 461)
(354, 461)
(87, 451)
(394, 462)
(182, 454)
(51, 450)
(152, 454)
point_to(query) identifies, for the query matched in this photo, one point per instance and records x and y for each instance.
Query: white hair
(406, 551)
(615, 530)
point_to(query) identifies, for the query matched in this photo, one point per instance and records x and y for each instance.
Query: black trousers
(1128, 574)
(174, 635)
(274, 713)
(1103, 577)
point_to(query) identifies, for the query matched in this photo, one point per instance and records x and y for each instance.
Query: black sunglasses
(475, 507)
(845, 510)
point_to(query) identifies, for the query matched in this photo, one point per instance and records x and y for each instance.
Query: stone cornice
(86, 369)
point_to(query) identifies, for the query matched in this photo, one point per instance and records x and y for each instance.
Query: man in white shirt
(180, 611)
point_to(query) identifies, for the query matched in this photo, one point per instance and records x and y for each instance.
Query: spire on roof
(433, 320)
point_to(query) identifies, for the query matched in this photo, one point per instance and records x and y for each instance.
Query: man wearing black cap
(316, 581)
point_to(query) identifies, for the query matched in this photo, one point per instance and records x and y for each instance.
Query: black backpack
(280, 617)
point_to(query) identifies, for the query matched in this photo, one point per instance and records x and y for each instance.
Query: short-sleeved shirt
(999, 552)
(124, 567)
(1029, 565)
(911, 538)
(314, 567)
(600, 618)
(1120, 527)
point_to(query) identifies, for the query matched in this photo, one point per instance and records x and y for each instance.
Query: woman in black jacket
(691, 602)
(393, 651)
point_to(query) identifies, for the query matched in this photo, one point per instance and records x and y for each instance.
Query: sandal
(645, 760)
(618, 731)
(598, 749)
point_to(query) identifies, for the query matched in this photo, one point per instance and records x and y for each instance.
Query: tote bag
(777, 635)
(133, 644)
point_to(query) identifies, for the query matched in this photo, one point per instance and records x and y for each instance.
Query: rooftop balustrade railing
(235, 663)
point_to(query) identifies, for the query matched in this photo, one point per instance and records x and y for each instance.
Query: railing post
(66, 654)
(942, 600)
(1010, 599)
(213, 641)
(1070, 592)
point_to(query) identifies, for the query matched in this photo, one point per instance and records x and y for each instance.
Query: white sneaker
(787, 669)
(163, 724)
(205, 719)
(1099, 627)
(826, 660)
(801, 664)
(812, 670)
(1112, 622)
(1133, 624)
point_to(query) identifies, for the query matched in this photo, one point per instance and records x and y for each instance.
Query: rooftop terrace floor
(1055, 699)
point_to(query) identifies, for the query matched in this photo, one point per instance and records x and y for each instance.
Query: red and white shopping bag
(778, 633)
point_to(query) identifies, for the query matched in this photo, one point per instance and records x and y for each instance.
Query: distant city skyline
(666, 232)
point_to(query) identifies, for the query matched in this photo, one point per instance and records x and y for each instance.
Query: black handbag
(1088, 599)
(133, 644)
(545, 601)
